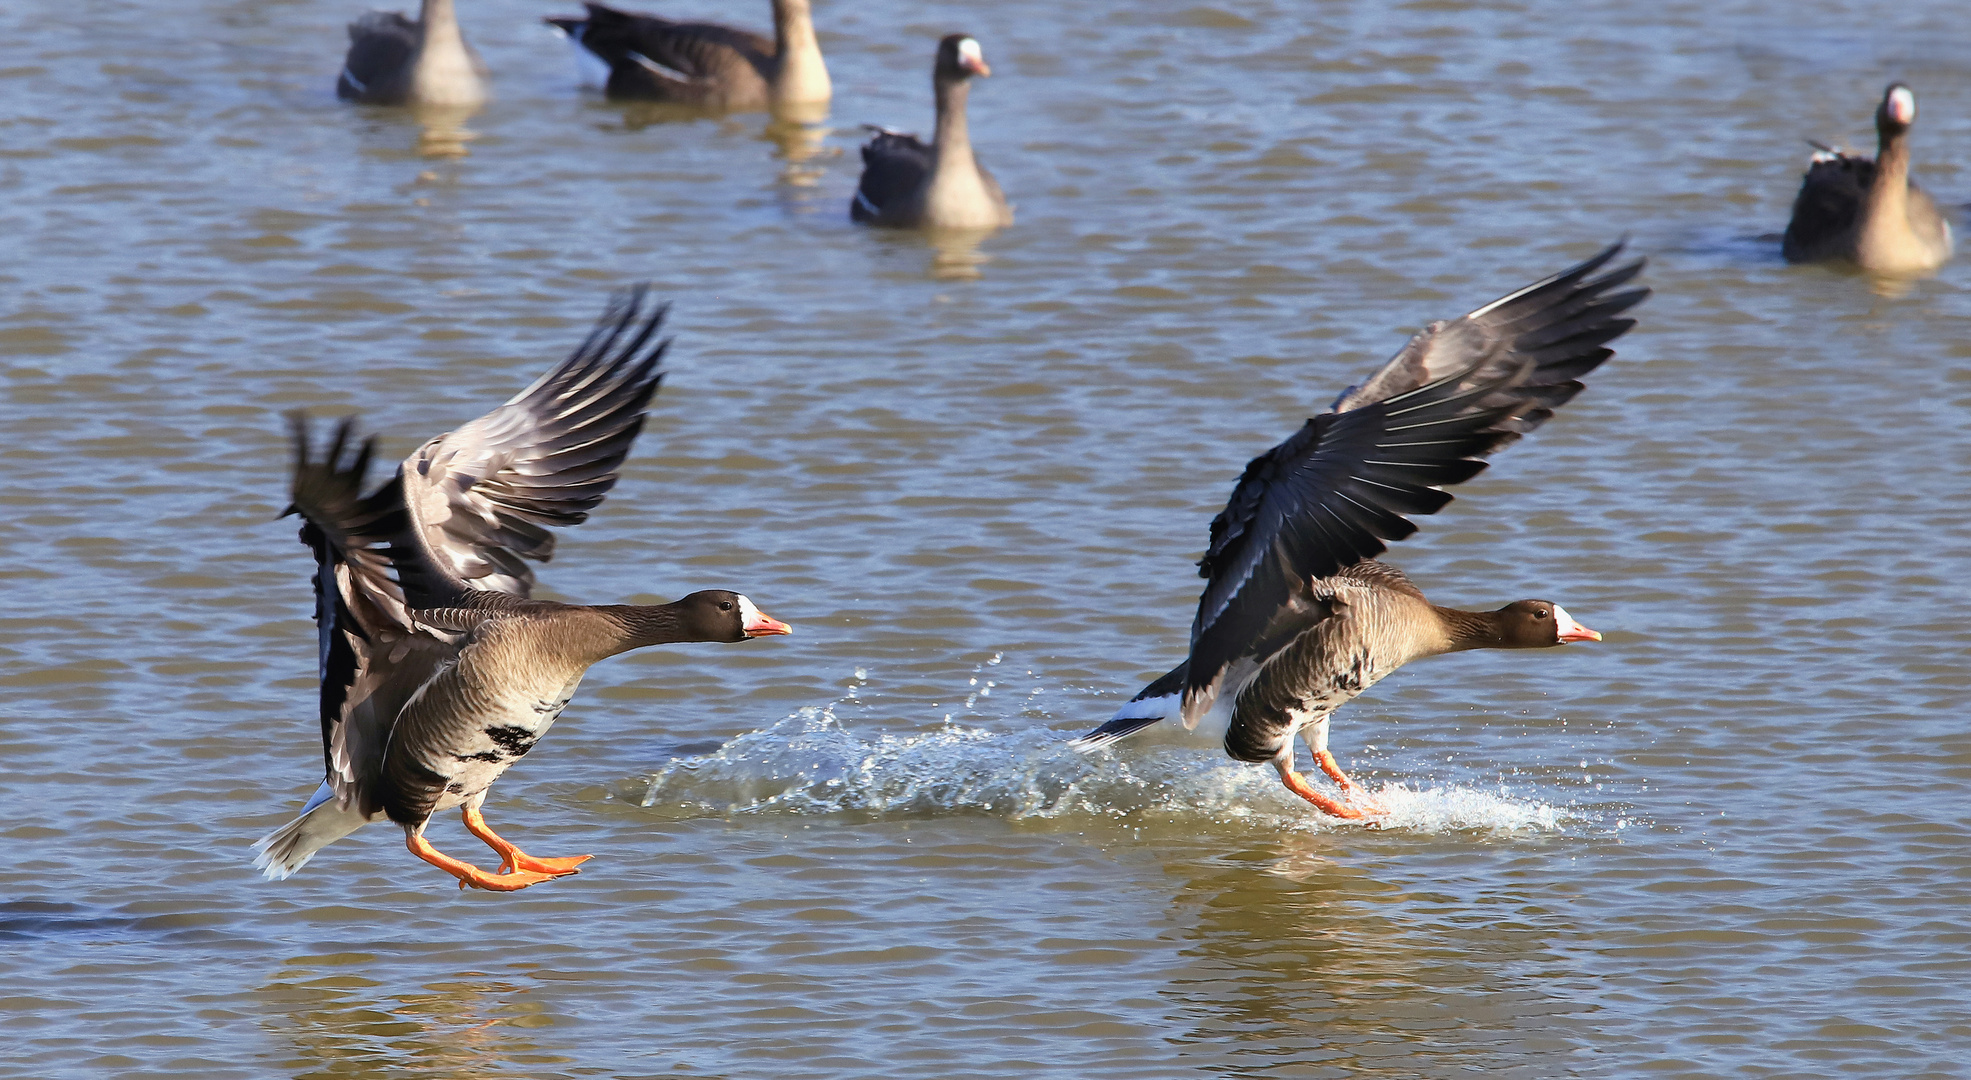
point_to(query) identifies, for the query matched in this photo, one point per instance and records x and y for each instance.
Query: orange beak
(976, 67)
(1568, 630)
(763, 625)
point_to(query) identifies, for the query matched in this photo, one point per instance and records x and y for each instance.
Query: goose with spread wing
(438, 672)
(1297, 616)
(710, 65)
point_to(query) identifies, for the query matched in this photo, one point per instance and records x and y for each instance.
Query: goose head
(718, 615)
(1898, 110)
(960, 58)
(1538, 624)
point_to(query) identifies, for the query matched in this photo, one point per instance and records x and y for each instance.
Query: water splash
(811, 763)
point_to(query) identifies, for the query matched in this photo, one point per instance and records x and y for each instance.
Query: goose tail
(322, 822)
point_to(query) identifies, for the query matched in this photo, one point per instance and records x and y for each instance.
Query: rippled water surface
(1729, 840)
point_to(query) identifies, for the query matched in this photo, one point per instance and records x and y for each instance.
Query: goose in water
(1297, 616)
(438, 673)
(908, 185)
(704, 64)
(394, 61)
(1869, 212)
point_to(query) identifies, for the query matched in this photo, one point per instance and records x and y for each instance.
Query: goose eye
(1540, 613)
(725, 605)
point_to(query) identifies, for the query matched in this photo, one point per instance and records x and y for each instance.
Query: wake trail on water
(811, 763)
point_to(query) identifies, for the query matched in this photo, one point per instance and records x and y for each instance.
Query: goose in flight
(438, 671)
(1298, 617)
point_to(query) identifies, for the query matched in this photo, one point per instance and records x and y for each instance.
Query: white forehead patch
(1563, 622)
(1902, 105)
(749, 615)
(968, 49)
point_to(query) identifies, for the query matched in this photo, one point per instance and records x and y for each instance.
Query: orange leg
(512, 858)
(1348, 787)
(1297, 784)
(469, 874)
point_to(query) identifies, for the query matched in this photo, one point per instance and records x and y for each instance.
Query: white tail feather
(322, 822)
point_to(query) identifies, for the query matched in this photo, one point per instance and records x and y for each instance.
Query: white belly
(500, 736)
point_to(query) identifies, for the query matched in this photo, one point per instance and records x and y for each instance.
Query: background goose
(1297, 617)
(654, 59)
(1868, 211)
(438, 672)
(908, 185)
(394, 61)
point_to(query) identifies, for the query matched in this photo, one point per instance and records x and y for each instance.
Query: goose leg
(468, 874)
(1298, 784)
(511, 857)
(1316, 734)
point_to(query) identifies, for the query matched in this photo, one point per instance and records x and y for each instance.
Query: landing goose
(908, 185)
(438, 672)
(1869, 212)
(1297, 616)
(394, 61)
(705, 64)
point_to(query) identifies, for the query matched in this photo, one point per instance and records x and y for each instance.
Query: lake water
(1732, 839)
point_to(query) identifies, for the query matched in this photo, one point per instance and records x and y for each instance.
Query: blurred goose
(1297, 616)
(1869, 212)
(438, 673)
(394, 61)
(706, 64)
(908, 185)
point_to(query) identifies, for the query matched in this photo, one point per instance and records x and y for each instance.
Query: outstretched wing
(373, 655)
(480, 497)
(1336, 491)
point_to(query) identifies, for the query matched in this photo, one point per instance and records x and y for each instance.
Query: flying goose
(438, 673)
(1869, 212)
(1297, 616)
(394, 61)
(908, 185)
(705, 64)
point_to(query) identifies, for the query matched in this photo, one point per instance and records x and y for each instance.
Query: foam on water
(812, 763)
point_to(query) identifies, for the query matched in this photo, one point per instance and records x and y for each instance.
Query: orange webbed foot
(518, 860)
(503, 881)
(1333, 807)
(512, 859)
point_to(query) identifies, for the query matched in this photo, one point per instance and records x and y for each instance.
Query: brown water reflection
(335, 1024)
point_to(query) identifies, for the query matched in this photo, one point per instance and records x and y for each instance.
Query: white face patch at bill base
(970, 55)
(754, 623)
(1902, 105)
(1566, 629)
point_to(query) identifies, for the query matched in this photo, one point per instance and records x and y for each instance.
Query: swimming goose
(908, 185)
(1869, 212)
(705, 64)
(394, 61)
(438, 673)
(1297, 616)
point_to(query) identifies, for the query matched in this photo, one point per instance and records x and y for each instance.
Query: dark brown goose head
(1536, 624)
(1897, 112)
(959, 58)
(718, 615)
